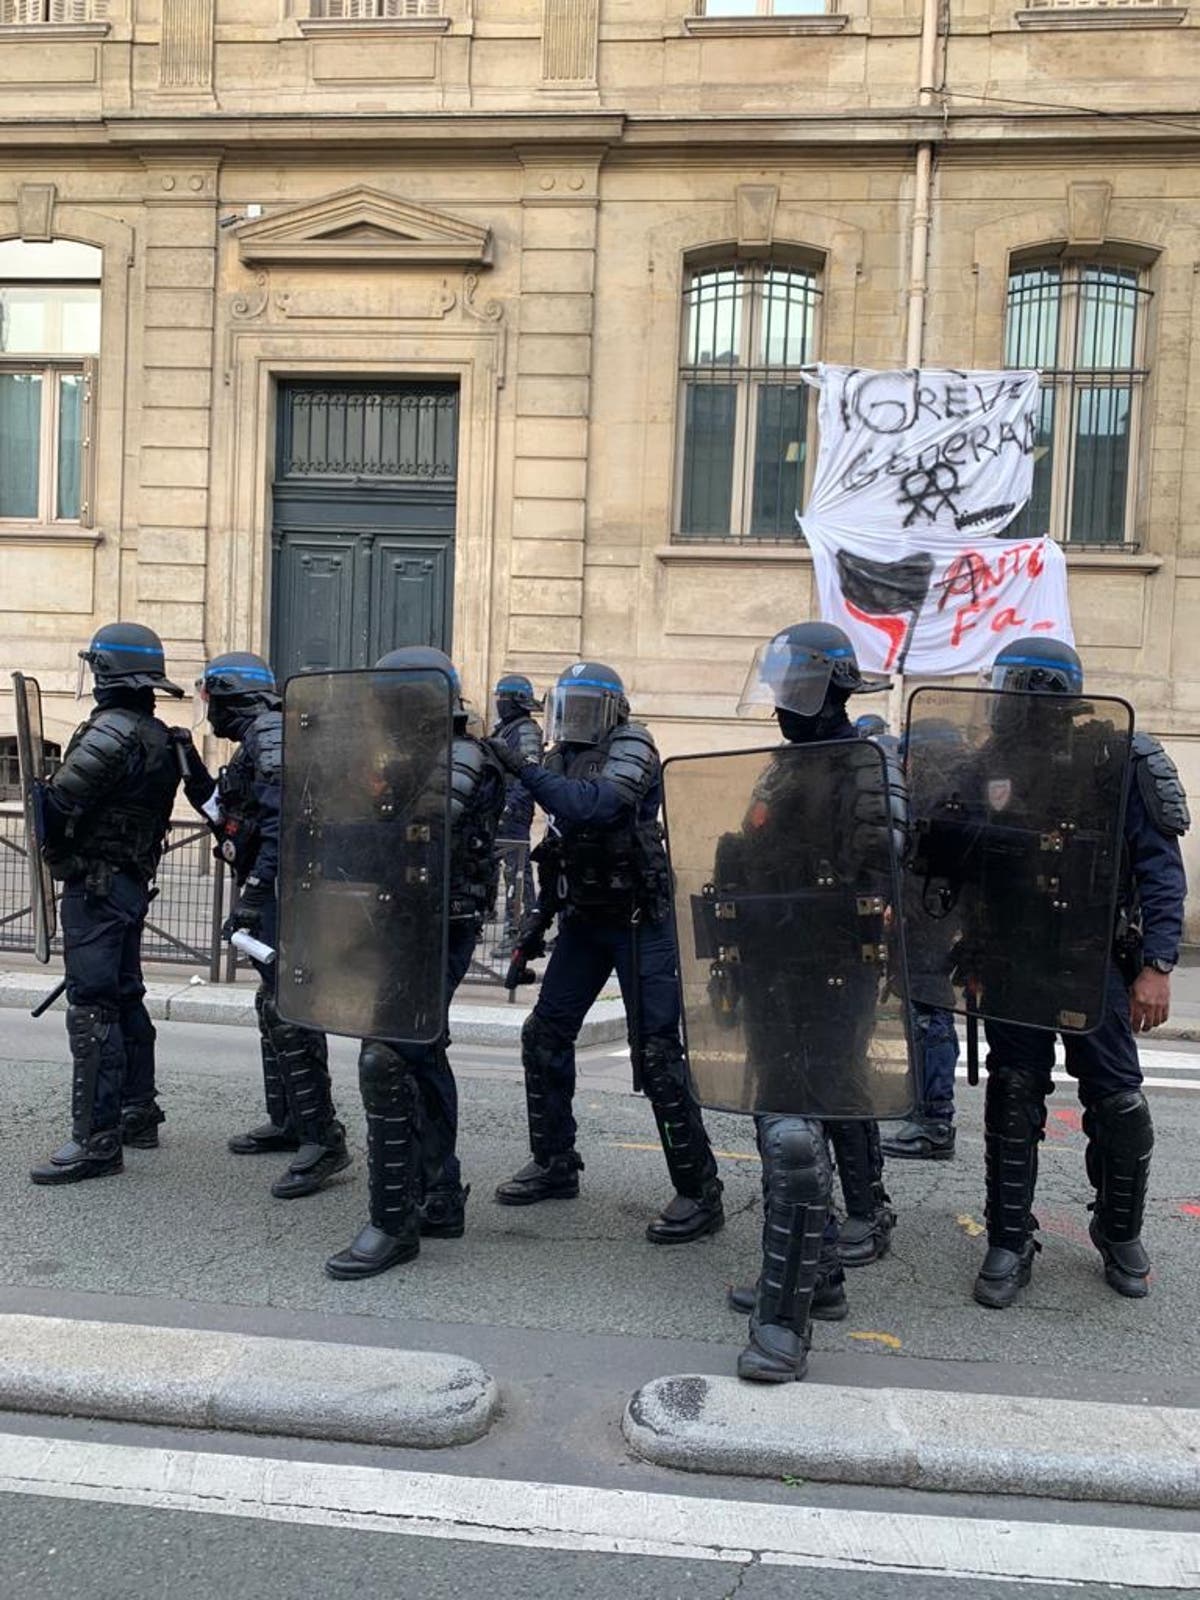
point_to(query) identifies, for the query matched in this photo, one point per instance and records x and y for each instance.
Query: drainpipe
(918, 281)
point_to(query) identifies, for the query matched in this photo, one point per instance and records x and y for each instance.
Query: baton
(44, 1005)
(972, 1036)
(252, 947)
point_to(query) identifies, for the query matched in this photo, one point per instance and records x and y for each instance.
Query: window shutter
(87, 450)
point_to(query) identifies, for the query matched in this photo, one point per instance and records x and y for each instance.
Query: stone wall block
(550, 478)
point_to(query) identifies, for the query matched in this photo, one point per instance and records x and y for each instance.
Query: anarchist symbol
(926, 490)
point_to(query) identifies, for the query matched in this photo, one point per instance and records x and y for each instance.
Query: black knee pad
(663, 1071)
(541, 1041)
(795, 1159)
(88, 1026)
(385, 1080)
(1122, 1122)
(1014, 1105)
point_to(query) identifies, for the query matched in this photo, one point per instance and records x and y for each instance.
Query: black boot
(95, 1157)
(276, 1134)
(829, 1303)
(313, 1165)
(140, 1124)
(919, 1139)
(1014, 1121)
(866, 1234)
(303, 1058)
(557, 1178)
(1120, 1138)
(696, 1209)
(443, 1211)
(796, 1167)
(94, 1036)
(392, 1236)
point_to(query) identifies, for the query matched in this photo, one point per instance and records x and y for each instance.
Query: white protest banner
(917, 475)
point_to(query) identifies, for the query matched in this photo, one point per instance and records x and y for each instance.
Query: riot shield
(364, 853)
(31, 763)
(1016, 810)
(791, 962)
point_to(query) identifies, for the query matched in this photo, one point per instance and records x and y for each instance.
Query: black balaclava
(123, 696)
(828, 723)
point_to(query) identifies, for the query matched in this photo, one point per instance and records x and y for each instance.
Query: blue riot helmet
(430, 658)
(125, 655)
(795, 670)
(870, 727)
(231, 688)
(586, 703)
(1038, 666)
(514, 697)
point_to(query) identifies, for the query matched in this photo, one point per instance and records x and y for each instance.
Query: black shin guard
(540, 1046)
(274, 1092)
(390, 1100)
(1120, 1136)
(1014, 1118)
(303, 1058)
(685, 1142)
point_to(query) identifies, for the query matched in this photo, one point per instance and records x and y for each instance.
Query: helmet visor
(1035, 676)
(580, 713)
(784, 677)
(200, 705)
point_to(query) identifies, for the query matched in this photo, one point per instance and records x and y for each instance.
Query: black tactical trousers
(102, 953)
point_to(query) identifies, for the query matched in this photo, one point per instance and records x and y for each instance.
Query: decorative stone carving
(186, 52)
(569, 40)
(35, 212)
(365, 303)
(489, 311)
(253, 303)
(1087, 212)
(756, 204)
(363, 226)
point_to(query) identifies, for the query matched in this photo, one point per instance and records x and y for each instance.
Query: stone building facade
(326, 324)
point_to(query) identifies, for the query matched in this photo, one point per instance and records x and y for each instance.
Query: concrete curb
(920, 1439)
(232, 1005)
(192, 1378)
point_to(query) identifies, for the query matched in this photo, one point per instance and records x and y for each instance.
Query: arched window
(49, 339)
(748, 329)
(1084, 325)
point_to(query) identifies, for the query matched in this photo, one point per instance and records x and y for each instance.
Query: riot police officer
(237, 692)
(408, 1090)
(603, 869)
(807, 674)
(515, 705)
(105, 814)
(1116, 1115)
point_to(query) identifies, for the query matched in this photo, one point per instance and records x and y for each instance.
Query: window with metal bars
(1083, 324)
(373, 10)
(748, 329)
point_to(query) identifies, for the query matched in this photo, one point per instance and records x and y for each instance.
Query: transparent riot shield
(31, 763)
(791, 962)
(1016, 810)
(364, 853)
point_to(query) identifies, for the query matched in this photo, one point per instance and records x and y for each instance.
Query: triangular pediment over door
(361, 227)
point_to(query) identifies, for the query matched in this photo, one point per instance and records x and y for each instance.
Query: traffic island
(195, 1378)
(920, 1439)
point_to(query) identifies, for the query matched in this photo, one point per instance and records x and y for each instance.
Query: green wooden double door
(363, 524)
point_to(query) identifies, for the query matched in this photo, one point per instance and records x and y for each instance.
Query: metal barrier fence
(184, 925)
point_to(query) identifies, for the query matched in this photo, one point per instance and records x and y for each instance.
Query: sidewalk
(480, 1014)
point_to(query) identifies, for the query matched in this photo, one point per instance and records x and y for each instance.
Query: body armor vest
(240, 827)
(127, 827)
(617, 871)
(476, 800)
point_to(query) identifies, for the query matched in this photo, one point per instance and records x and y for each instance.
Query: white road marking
(603, 1521)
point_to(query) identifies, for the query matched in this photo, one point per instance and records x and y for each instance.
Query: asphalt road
(572, 1310)
(191, 1222)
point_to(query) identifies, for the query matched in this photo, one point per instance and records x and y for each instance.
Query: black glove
(508, 759)
(529, 946)
(248, 908)
(198, 783)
